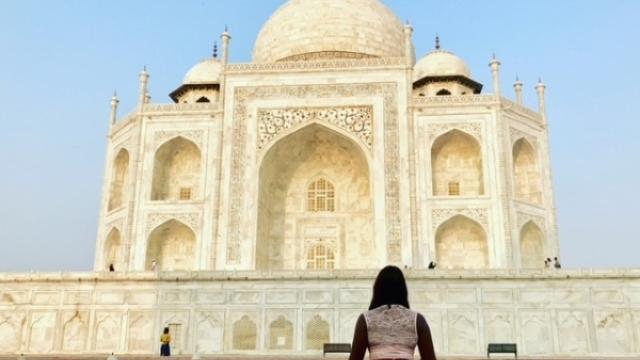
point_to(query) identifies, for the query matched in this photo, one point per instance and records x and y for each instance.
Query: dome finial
(215, 49)
(437, 42)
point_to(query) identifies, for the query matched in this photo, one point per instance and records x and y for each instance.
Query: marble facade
(250, 215)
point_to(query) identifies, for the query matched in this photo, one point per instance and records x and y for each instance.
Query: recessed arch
(119, 177)
(526, 172)
(456, 158)
(203, 99)
(177, 171)
(531, 246)
(318, 333)
(173, 246)
(285, 226)
(245, 334)
(114, 250)
(281, 334)
(461, 243)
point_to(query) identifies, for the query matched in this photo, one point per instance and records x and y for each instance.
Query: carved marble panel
(497, 296)
(462, 328)
(282, 297)
(535, 332)
(142, 333)
(110, 297)
(612, 331)
(141, 297)
(461, 296)
(209, 335)
(77, 297)
(211, 297)
(354, 296)
(176, 297)
(357, 120)
(434, 130)
(46, 298)
(318, 296)
(42, 331)
(75, 331)
(573, 332)
(607, 296)
(246, 297)
(439, 216)
(107, 331)
(11, 325)
(162, 136)
(14, 297)
(425, 296)
(499, 327)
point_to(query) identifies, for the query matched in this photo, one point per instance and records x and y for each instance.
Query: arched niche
(114, 251)
(318, 333)
(173, 246)
(177, 171)
(281, 334)
(528, 181)
(245, 334)
(119, 177)
(336, 169)
(531, 246)
(456, 162)
(461, 243)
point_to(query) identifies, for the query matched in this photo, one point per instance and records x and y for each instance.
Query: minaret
(114, 109)
(542, 106)
(226, 39)
(517, 86)
(408, 47)
(495, 71)
(144, 82)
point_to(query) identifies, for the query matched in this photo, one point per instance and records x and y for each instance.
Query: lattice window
(317, 333)
(454, 189)
(321, 196)
(185, 193)
(244, 334)
(320, 257)
(281, 334)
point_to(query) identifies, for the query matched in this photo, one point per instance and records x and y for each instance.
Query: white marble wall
(567, 313)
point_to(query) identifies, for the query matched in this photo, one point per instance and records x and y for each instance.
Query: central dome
(329, 29)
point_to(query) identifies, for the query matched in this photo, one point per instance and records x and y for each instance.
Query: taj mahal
(251, 214)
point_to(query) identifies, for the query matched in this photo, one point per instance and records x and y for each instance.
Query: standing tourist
(390, 330)
(165, 343)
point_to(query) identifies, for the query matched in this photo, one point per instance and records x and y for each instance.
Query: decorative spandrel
(357, 120)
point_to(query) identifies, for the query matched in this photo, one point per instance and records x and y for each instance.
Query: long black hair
(390, 288)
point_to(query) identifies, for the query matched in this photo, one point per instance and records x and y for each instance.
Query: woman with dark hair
(165, 341)
(390, 330)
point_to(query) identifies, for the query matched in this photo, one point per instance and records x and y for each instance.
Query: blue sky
(61, 60)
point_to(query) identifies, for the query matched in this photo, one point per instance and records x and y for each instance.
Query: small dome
(440, 63)
(205, 72)
(324, 29)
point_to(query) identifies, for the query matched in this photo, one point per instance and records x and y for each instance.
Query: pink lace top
(392, 332)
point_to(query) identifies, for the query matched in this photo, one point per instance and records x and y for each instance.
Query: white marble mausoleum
(251, 213)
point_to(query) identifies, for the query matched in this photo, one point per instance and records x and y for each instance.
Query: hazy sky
(61, 60)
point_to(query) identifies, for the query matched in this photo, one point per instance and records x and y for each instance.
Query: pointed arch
(526, 172)
(245, 334)
(203, 99)
(456, 161)
(293, 166)
(281, 334)
(531, 246)
(177, 171)
(119, 178)
(318, 333)
(461, 243)
(114, 250)
(173, 246)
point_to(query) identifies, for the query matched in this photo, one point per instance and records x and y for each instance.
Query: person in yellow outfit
(165, 343)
